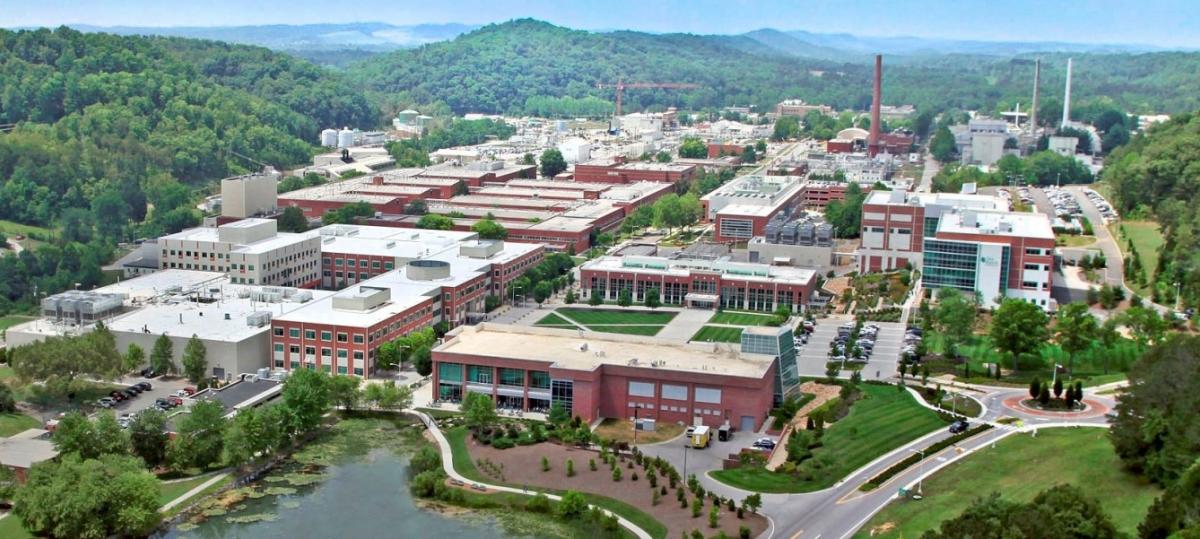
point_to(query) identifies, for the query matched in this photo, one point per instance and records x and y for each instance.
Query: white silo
(345, 138)
(329, 138)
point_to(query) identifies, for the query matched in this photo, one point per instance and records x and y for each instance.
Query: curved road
(839, 511)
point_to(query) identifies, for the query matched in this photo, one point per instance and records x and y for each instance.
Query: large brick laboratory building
(971, 243)
(599, 375)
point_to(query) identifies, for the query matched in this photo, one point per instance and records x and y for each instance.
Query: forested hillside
(113, 135)
(1158, 175)
(500, 67)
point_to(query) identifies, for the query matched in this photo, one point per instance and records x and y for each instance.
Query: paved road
(932, 167)
(1114, 273)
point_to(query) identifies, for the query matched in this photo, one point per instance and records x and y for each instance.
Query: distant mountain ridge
(373, 36)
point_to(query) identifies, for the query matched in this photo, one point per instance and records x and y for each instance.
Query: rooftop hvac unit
(258, 319)
(824, 235)
(173, 289)
(243, 293)
(302, 296)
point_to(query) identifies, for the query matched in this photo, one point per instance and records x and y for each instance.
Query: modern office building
(700, 283)
(968, 242)
(602, 375)
(250, 251)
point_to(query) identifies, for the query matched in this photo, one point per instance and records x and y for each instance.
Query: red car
(176, 401)
(191, 390)
(117, 396)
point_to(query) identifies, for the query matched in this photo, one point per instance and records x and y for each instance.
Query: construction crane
(621, 86)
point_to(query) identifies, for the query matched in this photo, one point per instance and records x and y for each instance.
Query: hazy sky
(1155, 22)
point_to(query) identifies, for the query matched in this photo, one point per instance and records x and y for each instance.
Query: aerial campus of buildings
(706, 281)
(328, 298)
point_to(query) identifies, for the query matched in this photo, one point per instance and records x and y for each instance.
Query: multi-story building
(797, 107)
(740, 209)
(969, 242)
(699, 283)
(250, 251)
(617, 170)
(249, 195)
(982, 141)
(599, 375)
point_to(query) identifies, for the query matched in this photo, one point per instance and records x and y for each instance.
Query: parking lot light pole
(685, 451)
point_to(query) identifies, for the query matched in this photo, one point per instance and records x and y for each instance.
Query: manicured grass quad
(737, 318)
(589, 317)
(718, 334)
(1018, 468)
(554, 320)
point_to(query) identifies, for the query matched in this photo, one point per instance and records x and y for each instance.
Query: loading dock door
(747, 423)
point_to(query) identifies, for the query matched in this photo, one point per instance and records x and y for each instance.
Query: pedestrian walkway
(685, 324)
(189, 494)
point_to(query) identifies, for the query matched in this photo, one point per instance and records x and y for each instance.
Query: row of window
(351, 262)
(311, 352)
(311, 334)
(679, 409)
(341, 369)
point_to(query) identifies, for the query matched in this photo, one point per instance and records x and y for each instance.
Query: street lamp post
(685, 452)
(921, 472)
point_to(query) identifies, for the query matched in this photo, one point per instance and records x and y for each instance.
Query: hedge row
(898, 467)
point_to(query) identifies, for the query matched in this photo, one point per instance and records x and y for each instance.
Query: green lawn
(739, 318)
(646, 331)
(590, 317)
(1147, 239)
(12, 423)
(10, 229)
(457, 437)
(882, 420)
(12, 320)
(6, 372)
(718, 334)
(1074, 240)
(1018, 468)
(170, 491)
(553, 319)
(11, 528)
(1095, 366)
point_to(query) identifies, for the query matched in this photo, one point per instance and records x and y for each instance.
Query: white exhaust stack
(1067, 97)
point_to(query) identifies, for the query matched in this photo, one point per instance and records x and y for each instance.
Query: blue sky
(1155, 22)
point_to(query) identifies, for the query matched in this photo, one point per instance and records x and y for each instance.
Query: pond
(357, 490)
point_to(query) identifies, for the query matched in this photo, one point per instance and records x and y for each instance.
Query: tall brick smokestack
(1037, 79)
(876, 98)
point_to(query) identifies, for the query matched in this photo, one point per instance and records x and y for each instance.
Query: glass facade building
(782, 345)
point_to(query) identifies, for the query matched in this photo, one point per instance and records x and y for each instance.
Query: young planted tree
(625, 298)
(1035, 388)
(134, 357)
(162, 356)
(1076, 331)
(652, 300)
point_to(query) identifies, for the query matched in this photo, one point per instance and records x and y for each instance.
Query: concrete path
(685, 324)
(448, 465)
(189, 494)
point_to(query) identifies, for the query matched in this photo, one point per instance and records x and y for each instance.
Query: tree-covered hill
(500, 66)
(1158, 175)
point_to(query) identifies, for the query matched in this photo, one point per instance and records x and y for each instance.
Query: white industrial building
(250, 251)
(250, 195)
(232, 321)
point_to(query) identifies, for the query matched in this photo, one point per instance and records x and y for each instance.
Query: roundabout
(1092, 408)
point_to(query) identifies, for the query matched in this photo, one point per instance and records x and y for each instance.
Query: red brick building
(716, 150)
(600, 375)
(741, 208)
(617, 170)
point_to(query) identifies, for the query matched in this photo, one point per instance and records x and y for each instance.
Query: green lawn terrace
(627, 322)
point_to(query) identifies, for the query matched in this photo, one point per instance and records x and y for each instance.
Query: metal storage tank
(345, 138)
(329, 138)
(407, 117)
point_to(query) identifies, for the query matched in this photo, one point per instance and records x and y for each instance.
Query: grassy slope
(12, 423)
(881, 421)
(12, 320)
(718, 334)
(1147, 239)
(170, 491)
(1019, 467)
(740, 318)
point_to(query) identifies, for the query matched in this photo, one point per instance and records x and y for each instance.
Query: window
(450, 372)
(277, 331)
(326, 336)
(358, 355)
(278, 348)
(341, 369)
(641, 389)
(710, 395)
(310, 351)
(672, 392)
(1033, 267)
(374, 264)
(562, 392)
(512, 377)
(388, 265)
(1033, 251)
(479, 374)
(341, 354)
(294, 350)
(358, 371)
(339, 262)
(358, 338)
(350, 263)
(539, 379)
(310, 334)
(342, 337)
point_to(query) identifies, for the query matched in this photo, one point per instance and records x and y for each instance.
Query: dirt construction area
(522, 465)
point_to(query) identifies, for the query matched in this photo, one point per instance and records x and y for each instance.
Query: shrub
(743, 532)
(616, 474)
(697, 505)
(592, 464)
(545, 464)
(655, 498)
(538, 504)
(713, 517)
(503, 443)
(633, 476)
(570, 468)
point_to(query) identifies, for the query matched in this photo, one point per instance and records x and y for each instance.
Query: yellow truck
(701, 436)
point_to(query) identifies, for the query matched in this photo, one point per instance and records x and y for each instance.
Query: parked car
(145, 386)
(959, 426)
(106, 402)
(182, 393)
(134, 389)
(764, 444)
(117, 396)
(190, 390)
(162, 402)
(175, 400)
(148, 373)
(129, 393)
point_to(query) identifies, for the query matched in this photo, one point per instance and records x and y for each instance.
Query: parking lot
(811, 359)
(159, 388)
(700, 461)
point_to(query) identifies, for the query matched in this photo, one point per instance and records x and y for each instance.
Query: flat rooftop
(558, 184)
(586, 351)
(999, 223)
(209, 234)
(951, 200)
(682, 267)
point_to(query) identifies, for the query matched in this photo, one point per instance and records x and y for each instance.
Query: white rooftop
(683, 267)
(1000, 223)
(585, 350)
